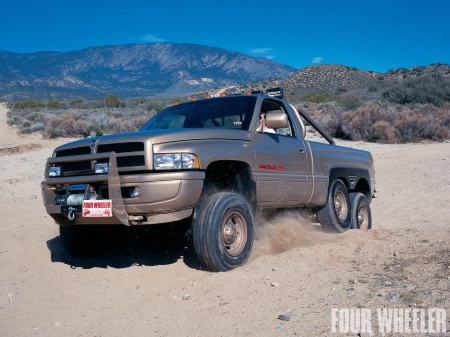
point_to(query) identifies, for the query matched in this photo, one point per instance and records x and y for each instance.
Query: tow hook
(70, 215)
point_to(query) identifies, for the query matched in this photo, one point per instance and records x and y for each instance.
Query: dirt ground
(146, 288)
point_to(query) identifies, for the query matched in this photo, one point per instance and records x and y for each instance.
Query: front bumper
(165, 197)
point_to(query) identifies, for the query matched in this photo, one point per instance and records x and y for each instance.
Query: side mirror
(276, 120)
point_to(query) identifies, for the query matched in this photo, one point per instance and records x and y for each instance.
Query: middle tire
(223, 232)
(335, 216)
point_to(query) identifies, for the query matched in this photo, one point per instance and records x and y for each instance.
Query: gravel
(393, 297)
(284, 317)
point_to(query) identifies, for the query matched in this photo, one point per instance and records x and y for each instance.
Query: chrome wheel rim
(234, 234)
(363, 217)
(340, 205)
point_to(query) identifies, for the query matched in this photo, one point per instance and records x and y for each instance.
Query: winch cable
(75, 199)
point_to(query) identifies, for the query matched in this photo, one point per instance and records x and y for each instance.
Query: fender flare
(351, 177)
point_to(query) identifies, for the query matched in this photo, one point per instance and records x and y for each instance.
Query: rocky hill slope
(160, 69)
(335, 78)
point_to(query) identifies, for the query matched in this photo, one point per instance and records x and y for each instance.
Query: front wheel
(335, 216)
(361, 214)
(223, 232)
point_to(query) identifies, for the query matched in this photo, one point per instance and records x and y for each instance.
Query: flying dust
(279, 232)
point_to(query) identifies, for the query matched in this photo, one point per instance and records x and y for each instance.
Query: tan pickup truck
(214, 164)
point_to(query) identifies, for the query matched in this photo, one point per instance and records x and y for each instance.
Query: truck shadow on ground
(134, 249)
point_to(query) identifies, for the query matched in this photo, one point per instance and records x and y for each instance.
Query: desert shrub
(340, 91)
(28, 104)
(112, 101)
(37, 127)
(116, 125)
(382, 131)
(321, 97)
(389, 123)
(54, 104)
(381, 78)
(373, 89)
(15, 120)
(65, 126)
(94, 130)
(350, 102)
(432, 89)
(76, 102)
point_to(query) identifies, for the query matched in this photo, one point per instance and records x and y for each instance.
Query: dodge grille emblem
(93, 143)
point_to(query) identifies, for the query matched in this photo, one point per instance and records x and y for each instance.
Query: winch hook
(70, 215)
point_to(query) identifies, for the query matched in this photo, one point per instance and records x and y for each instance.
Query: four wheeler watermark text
(397, 320)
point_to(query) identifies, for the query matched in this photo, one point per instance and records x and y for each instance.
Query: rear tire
(87, 240)
(223, 232)
(361, 214)
(335, 216)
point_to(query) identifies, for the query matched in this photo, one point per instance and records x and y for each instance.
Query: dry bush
(383, 131)
(116, 125)
(350, 102)
(65, 126)
(390, 123)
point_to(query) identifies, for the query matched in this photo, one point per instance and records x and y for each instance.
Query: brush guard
(74, 205)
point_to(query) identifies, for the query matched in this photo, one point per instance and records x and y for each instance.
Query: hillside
(160, 69)
(336, 78)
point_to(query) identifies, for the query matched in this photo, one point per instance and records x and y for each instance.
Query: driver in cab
(262, 119)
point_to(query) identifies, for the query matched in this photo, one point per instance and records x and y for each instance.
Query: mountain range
(174, 69)
(158, 69)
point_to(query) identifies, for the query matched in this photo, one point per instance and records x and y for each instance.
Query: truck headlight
(101, 168)
(55, 171)
(173, 161)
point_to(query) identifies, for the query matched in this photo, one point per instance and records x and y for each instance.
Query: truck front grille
(130, 161)
(127, 161)
(73, 152)
(83, 167)
(121, 147)
(76, 166)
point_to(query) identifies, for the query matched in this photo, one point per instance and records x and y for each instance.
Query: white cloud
(317, 59)
(150, 38)
(261, 51)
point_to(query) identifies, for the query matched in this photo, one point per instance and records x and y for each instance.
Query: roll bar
(316, 125)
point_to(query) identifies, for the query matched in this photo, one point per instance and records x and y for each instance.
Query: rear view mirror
(276, 120)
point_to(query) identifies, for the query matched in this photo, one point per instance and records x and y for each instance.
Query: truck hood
(160, 137)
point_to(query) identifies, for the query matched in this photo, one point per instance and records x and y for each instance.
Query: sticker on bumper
(97, 208)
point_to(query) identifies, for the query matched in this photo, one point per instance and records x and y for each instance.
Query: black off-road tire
(88, 240)
(223, 232)
(361, 214)
(335, 216)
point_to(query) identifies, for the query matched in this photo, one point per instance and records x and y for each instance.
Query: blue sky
(368, 34)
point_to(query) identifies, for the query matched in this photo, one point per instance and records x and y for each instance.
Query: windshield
(224, 113)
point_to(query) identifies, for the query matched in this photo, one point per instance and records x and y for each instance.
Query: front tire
(361, 214)
(335, 216)
(87, 240)
(223, 232)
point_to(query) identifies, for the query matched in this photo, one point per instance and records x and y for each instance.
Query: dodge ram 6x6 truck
(213, 163)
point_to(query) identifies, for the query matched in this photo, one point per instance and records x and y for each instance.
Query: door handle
(301, 150)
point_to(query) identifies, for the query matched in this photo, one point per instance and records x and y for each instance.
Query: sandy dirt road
(143, 288)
